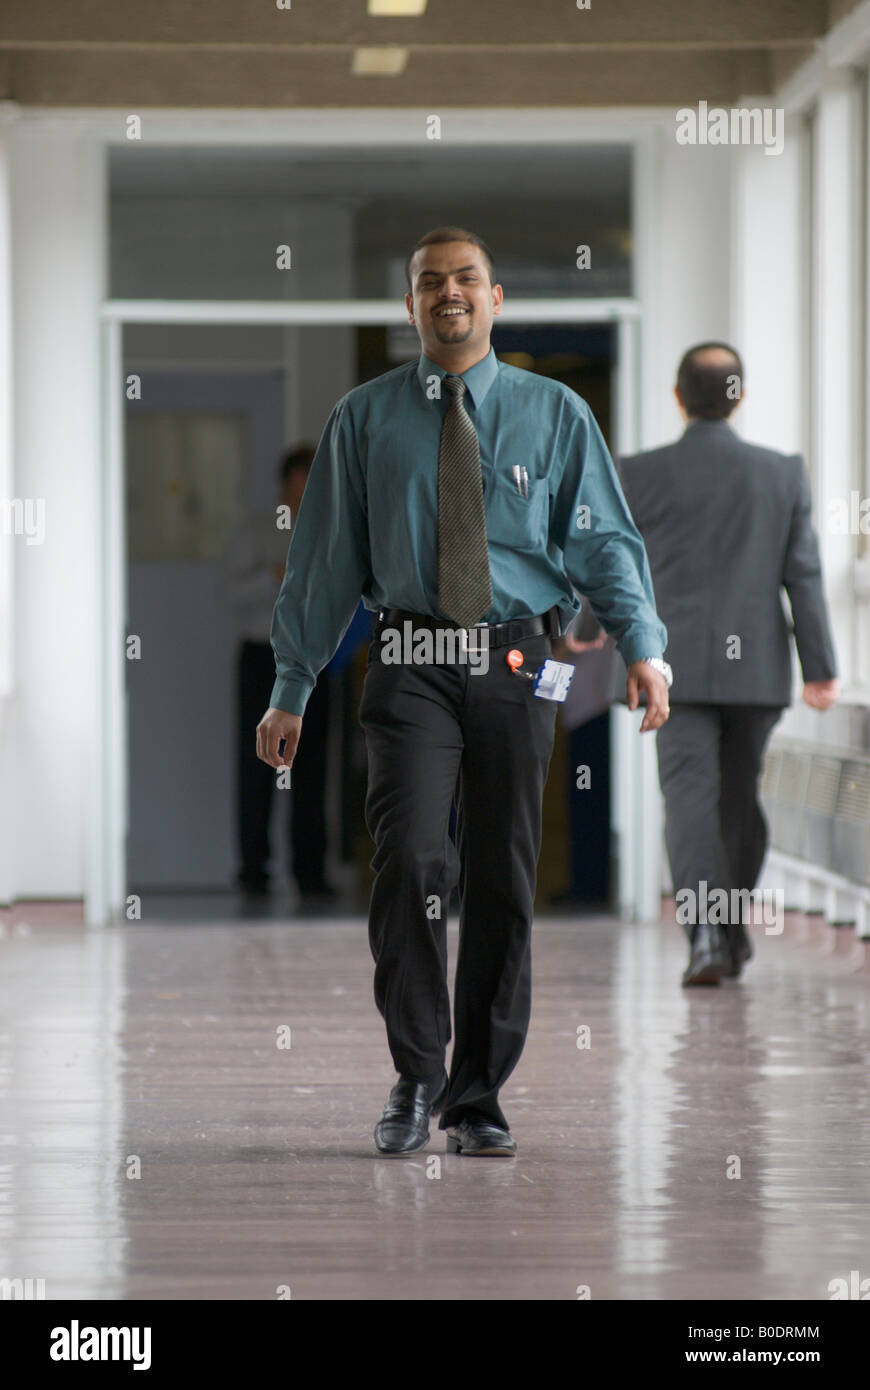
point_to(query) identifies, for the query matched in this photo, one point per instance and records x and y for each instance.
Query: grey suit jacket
(727, 525)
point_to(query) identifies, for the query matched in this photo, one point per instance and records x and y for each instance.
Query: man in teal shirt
(457, 492)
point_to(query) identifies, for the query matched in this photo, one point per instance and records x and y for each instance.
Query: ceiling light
(379, 62)
(396, 8)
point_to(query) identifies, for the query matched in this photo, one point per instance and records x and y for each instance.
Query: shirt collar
(699, 424)
(478, 378)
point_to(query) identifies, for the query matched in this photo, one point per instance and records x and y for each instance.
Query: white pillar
(59, 258)
(682, 264)
(7, 541)
(637, 809)
(836, 308)
(681, 224)
(770, 291)
(861, 668)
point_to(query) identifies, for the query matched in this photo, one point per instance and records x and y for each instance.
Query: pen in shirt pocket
(521, 478)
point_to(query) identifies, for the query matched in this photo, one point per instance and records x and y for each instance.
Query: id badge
(550, 682)
(553, 679)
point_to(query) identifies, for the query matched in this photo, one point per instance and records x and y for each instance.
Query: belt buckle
(465, 633)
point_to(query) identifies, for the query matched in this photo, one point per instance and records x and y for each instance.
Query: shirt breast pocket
(514, 520)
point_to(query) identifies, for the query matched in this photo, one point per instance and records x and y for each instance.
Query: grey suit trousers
(709, 760)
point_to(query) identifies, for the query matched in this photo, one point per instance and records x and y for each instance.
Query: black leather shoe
(709, 959)
(480, 1137)
(739, 946)
(404, 1126)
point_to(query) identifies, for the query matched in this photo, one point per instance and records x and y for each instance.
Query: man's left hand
(642, 676)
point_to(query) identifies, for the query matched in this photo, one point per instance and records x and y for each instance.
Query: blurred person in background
(255, 556)
(727, 526)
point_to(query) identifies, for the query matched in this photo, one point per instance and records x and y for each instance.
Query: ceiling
(536, 53)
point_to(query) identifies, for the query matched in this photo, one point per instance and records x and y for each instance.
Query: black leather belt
(498, 634)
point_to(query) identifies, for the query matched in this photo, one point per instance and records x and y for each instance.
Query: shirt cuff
(637, 645)
(291, 696)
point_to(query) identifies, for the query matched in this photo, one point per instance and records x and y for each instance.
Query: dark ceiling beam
(609, 22)
(133, 80)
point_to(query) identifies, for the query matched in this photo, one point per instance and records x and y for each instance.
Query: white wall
(682, 212)
(771, 290)
(797, 314)
(7, 543)
(58, 244)
(684, 266)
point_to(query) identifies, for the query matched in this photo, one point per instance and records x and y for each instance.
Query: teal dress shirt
(368, 521)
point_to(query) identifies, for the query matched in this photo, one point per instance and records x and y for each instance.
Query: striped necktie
(464, 582)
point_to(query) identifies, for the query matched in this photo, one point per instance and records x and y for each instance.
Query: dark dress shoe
(404, 1126)
(480, 1137)
(709, 959)
(739, 946)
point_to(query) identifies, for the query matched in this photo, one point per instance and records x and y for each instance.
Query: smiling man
(457, 491)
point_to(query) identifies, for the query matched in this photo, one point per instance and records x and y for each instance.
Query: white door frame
(105, 899)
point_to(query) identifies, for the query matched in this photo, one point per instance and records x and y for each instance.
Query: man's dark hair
(300, 456)
(441, 234)
(708, 389)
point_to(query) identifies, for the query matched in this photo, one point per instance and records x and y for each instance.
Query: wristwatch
(662, 667)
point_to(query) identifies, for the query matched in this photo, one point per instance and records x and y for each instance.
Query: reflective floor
(160, 1139)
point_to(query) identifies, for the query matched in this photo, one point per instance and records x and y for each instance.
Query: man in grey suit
(726, 526)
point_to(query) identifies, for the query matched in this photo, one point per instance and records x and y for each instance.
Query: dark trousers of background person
(710, 760)
(256, 780)
(589, 807)
(432, 731)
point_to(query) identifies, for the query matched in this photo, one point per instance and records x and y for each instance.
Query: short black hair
(707, 388)
(300, 456)
(442, 234)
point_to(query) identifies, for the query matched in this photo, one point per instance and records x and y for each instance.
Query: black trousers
(432, 732)
(709, 760)
(256, 780)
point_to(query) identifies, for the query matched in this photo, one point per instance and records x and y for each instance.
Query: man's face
(453, 303)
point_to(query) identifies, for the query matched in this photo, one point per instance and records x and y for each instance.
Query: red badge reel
(551, 681)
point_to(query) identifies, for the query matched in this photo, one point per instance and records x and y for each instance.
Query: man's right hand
(821, 694)
(275, 725)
